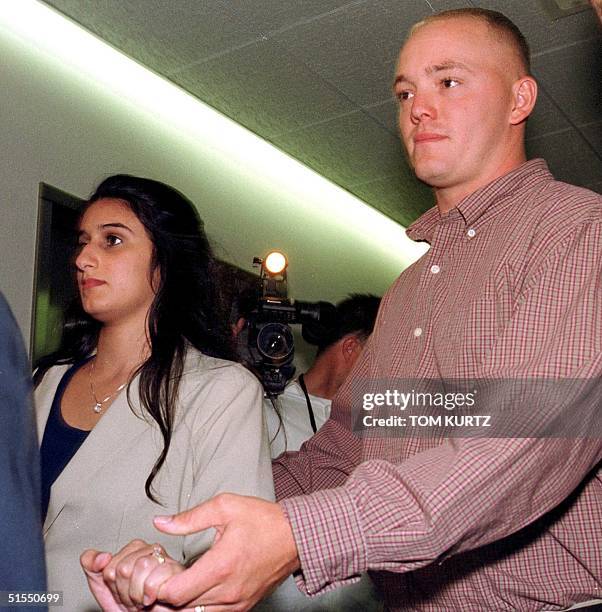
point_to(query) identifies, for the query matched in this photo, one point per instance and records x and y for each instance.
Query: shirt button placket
(434, 269)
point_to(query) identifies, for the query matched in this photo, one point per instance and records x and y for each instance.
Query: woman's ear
(524, 93)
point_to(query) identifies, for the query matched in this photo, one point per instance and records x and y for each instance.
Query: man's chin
(430, 173)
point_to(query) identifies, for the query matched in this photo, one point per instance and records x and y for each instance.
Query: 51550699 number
(31, 598)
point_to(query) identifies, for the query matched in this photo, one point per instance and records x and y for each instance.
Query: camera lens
(275, 341)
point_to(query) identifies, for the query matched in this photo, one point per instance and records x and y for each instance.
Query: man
(304, 406)
(22, 561)
(510, 290)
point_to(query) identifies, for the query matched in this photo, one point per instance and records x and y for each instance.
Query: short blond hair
(501, 25)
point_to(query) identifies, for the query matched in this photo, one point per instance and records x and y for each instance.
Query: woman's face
(114, 263)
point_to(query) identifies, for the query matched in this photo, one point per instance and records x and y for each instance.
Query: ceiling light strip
(39, 26)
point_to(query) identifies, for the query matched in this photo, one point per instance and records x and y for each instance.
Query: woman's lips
(88, 283)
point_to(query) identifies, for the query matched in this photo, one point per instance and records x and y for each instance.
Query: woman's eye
(113, 240)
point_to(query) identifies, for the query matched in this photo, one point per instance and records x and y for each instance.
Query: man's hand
(254, 550)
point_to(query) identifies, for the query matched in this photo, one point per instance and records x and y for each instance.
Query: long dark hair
(187, 307)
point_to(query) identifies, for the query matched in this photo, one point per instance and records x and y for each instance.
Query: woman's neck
(121, 348)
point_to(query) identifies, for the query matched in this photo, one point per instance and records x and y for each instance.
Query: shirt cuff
(329, 539)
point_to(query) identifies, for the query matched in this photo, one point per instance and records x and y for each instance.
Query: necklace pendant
(97, 408)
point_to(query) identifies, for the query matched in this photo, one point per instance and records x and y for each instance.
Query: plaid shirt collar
(475, 205)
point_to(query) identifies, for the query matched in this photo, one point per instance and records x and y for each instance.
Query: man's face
(454, 85)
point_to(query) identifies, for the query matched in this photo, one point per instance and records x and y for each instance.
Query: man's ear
(349, 346)
(524, 95)
(238, 326)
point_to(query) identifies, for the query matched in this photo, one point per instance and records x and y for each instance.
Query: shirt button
(435, 269)
(471, 232)
(418, 332)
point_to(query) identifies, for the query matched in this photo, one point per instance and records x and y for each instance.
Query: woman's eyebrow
(115, 225)
(105, 226)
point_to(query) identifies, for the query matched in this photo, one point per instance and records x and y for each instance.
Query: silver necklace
(97, 408)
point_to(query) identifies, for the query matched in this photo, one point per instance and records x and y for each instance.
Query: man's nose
(423, 106)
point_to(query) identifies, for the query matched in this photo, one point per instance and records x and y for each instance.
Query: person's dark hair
(498, 22)
(244, 303)
(354, 315)
(186, 307)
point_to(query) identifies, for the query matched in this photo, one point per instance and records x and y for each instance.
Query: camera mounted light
(275, 262)
(270, 341)
(273, 274)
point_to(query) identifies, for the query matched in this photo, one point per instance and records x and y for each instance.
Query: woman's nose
(86, 257)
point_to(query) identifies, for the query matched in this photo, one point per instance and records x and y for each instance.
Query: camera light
(275, 262)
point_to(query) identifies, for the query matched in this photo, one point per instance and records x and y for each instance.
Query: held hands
(253, 551)
(118, 582)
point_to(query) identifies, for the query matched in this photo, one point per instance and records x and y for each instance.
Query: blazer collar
(117, 430)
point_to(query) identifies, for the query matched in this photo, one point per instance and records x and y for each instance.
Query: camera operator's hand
(254, 550)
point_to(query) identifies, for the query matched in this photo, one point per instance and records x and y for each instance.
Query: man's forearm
(401, 518)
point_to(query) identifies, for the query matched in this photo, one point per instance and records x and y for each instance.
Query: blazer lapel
(44, 396)
(116, 431)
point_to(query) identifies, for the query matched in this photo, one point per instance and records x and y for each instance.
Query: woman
(138, 412)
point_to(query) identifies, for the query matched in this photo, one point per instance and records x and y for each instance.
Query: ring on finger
(158, 554)
(199, 608)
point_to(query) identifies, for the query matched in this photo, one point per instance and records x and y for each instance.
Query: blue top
(60, 441)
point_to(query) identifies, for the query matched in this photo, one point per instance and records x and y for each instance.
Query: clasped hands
(253, 551)
(132, 578)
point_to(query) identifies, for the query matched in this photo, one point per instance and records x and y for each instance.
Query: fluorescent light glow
(87, 56)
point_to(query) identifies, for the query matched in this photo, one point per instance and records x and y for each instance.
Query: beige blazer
(219, 444)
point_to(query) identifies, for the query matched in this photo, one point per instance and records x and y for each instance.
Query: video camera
(270, 340)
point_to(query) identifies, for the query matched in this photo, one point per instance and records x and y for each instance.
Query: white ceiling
(314, 77)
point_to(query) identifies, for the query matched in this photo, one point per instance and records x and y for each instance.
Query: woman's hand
(130, 579)
(93, 562)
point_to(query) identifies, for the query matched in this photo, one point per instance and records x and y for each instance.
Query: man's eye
(402, 96)
(448, 83)
(113, 240)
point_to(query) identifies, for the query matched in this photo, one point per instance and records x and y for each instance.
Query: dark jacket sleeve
(22, 559)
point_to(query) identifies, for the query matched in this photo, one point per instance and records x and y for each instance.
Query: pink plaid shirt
(511, 287)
